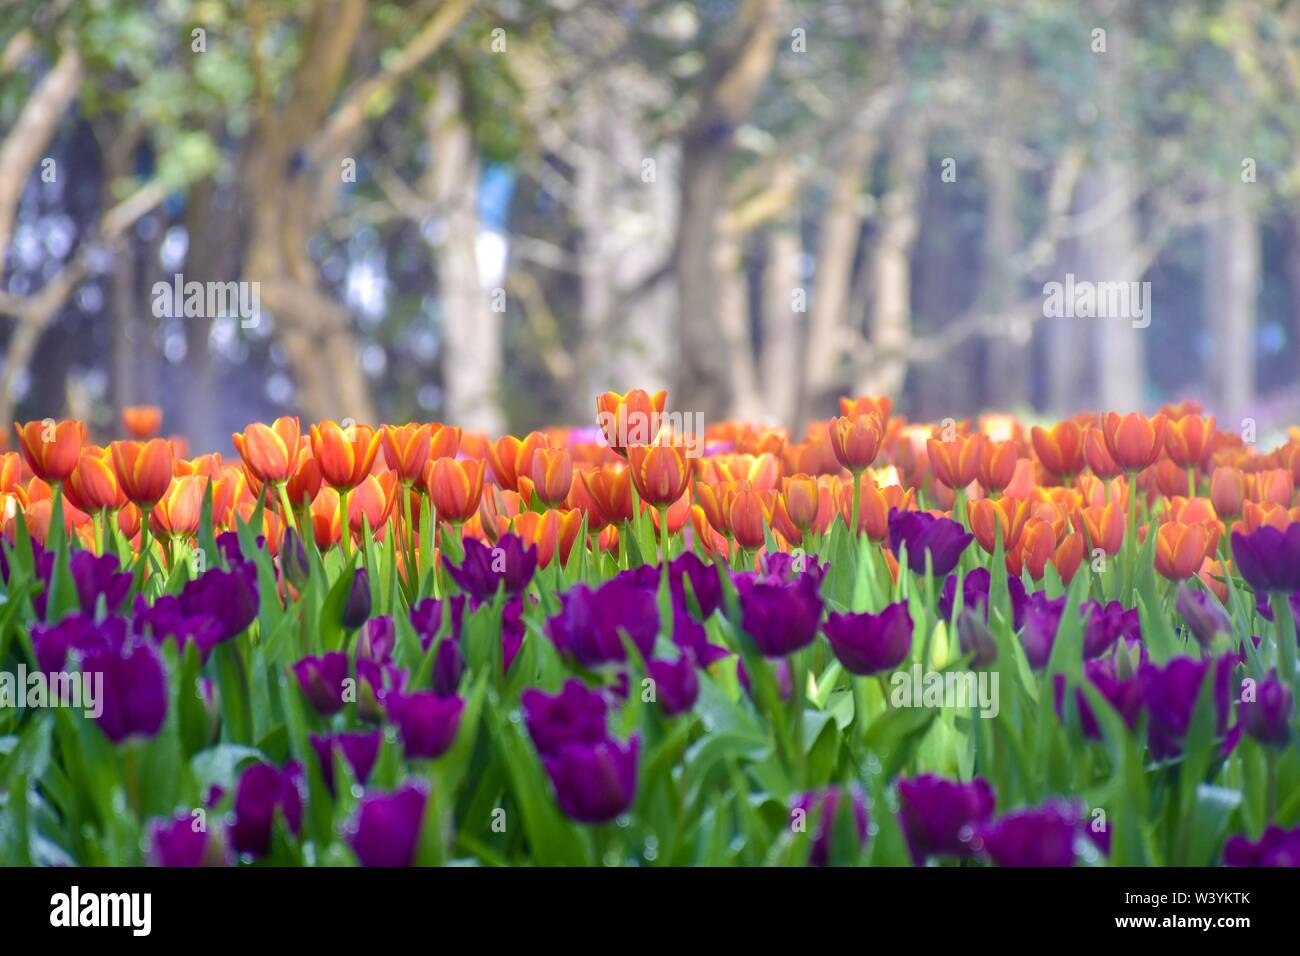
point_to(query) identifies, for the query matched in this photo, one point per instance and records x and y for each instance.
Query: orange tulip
(446, 441)
(128, 521)
(178, 511)
(1272, 484)
(855, 442)
(1180, 549)
(229, 491)
(93, 486)
(11, 471)
(1098, 455)
(1105, 527)
(1169, 479)
(1187, 440)
(661, 473)
(800, 502)
(552, 533)
(1227, 490)
(1068, 556)
(1059, 449)
(956, 463)
(372, 501)
(326, 523)
(303, 485)
(344, 455)
(1037, 547)
(406, 449)
(988, 516)
(1133, 440)
(552, 474)
(747, 516)
(631, 419)
(270, 452)
(142, 421)
(52, 449)
(503, 455)
(998, 462)
(144, 469)
(879, 405)
(611, 490)
(679, 512)
(1255, 516)
(874, 508)
(708, 535)
(455, 486)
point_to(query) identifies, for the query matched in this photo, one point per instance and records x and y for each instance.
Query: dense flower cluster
(633, 643)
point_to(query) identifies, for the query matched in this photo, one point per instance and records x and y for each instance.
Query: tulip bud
(1205, 619)
(974, 637)
(293, 559)
(357, 611)
(1268, 716)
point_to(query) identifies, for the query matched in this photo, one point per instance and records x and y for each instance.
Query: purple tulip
(374, 683)
(594, 782)
(427, 722)
(1124, 695)
(77, 632)
(1170, 693)
(943, 539)
(1269, 559)
(357, 610)
(294, 565)
(263, 790)
(1042, 620)
(360, 749)
(939, 816)
(871, 643)
(689, 636)
(512, 631)
(426, 619)
(705, 583)
(386, 830)
(782, 567)
(1205, 618)
(676, 684)
(486, 570)
(975, 588)
(1106, 624)
(322, 680)
(781, 616)
(574, 715)
(589, 629)
(43, 566)
(97, 577)
(448, 667)
(826, 803)
(231, 550)
(1038, 837)
(228, 597)
(784, 680)
(975, 638)
(167, 618)
(134, 698)
(1277, 847)
(179, 843)
(377, 639)
(1267, 718)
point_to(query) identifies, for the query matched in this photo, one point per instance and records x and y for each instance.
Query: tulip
(956, 463)
(871, 643)
(1098, 455)
(575, 715)
(96, 577)
(1267, 714)
(998, 461)
(1059, 449)
(592, 623)
(975, 638)
(93, 485)
(270, 452)
(748, 516)
(227, 597)
(781, 615)
(448, 667)
(180, 842)
(323, 680)
(142, 422)
(1134, 441)
(1180, 549)
(179, 510)
(1038, 837)
(703, 578)
(874, 506)
(386, 830)
(1042, 620)
(1277, 847)
(427, 722)
(360, 750)
(879, 405)
(1274, 485)
(1227, 490)
(924, 534)
(407, 449)
(144, 469)
(294, 565)
(594, 782)
(456, 487)
(1188, 440)
(134, 690)
(357, 611)
(988, 517)
(938, 816)
(784, 682)
(660, 473)
(1205, 618)
(675, 684)
(551, 534)
(552, 475)
(631, 419)
(855, 442)
(975, 595)
(485, 571)
(800, 502)
(503, 456)
(1106, 624)
(611, 490)
(1170, 694)
(1105, 527)
(825, 804)
(263, 790)
(51, 449)
(344, 455)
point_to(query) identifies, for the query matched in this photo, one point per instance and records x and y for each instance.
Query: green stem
(663, 534)
(1191, 481)
(345, 525)
(1284, 635)
(286, 506)
(854, 518)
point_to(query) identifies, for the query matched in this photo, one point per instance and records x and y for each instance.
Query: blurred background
(487, 212)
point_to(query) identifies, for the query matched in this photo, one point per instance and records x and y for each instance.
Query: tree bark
(1232, 275)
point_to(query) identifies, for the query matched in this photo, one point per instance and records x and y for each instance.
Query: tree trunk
(782, 325)
(1232, 275)
(1007, 369)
